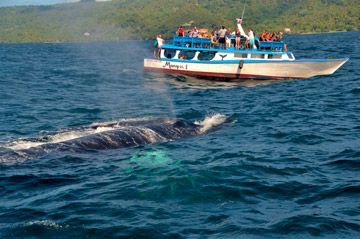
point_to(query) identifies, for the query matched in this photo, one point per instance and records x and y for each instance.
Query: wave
(355, 90)
(211, 122)
(313, 224)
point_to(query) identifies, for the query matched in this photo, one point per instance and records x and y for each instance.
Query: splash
(211, 121)
(46, 223)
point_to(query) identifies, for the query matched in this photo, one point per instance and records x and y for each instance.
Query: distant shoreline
(310, 33)
(124, 40)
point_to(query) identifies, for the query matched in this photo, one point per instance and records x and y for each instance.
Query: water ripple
(285, 165)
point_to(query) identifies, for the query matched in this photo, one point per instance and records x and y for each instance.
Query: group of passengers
(267, 36)
(190, 33)
(225, 38)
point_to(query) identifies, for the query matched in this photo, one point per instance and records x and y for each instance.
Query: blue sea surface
(285, 165)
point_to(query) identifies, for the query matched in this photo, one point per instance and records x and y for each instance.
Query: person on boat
(214, 38)
(160, 42)
(257, 42)
(231, 35)
(195, 32)
(273, 36)
(251, 39)
(280, 35)
(155, 47)
(237, 38)
(228, 41)
(181, 31)
(268, 36)
(222, 37)
(263, 36)
(228, 38)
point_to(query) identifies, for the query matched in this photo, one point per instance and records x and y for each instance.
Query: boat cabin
(202, 49)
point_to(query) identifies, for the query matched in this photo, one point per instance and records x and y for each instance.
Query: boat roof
(205, 44)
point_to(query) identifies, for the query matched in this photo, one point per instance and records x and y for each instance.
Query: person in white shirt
(222, 37)
(195, 32)
(160, 42)
(251, 39)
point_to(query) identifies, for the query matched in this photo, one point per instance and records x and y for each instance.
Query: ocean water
(285, 164)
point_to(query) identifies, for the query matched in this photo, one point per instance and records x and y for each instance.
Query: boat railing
(271, 46)
(192, 42)
(195, 42)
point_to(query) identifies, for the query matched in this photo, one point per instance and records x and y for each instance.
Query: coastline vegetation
(143, 19)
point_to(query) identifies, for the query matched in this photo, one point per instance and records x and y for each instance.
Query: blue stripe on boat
(249, 61)
(228, 50)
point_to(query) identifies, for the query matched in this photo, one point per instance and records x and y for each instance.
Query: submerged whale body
(110, 135)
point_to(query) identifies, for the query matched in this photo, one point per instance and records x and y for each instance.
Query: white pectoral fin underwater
(108, 135)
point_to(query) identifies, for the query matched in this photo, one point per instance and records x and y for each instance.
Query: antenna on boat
(239, 22)
(242, 15)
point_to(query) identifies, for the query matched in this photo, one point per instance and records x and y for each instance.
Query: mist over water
(285, 166)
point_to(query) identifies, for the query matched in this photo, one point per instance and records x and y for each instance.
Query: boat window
(274, 56)
(187, 55)
(290, 56)
(206, 55)
(258, 56)
(240, 55)
(169, 53)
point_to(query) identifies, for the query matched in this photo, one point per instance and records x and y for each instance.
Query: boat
(200, 57)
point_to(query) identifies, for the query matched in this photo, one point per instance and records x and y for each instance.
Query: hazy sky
(4, 3)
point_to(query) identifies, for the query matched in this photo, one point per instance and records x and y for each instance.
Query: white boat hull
(247, 70)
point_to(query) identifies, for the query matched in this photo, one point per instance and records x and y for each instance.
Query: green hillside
(142, 19)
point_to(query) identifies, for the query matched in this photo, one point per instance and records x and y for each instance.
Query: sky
(5, 3)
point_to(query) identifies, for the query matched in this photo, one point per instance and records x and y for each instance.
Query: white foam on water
(46, 223)
(211, 121)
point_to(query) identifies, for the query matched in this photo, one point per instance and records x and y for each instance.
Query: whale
(108, 135)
